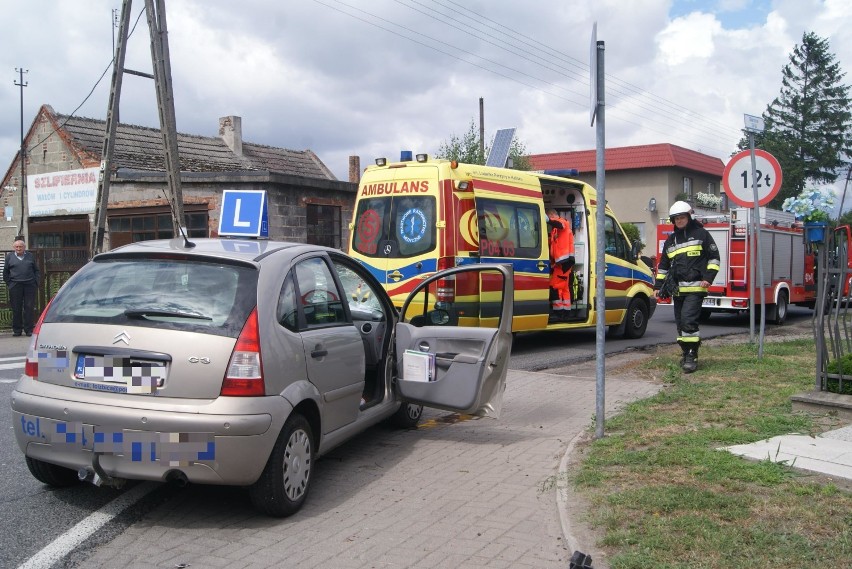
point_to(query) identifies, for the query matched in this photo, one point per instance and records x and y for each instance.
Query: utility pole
(482, 130)
(20, 83)
(165, 103)
(102, 199)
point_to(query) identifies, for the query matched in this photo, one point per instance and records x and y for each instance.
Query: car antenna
(186, 242)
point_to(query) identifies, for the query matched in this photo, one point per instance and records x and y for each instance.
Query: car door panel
(470, 363)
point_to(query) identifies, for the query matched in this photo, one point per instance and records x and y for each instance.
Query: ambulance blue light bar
(562, 172)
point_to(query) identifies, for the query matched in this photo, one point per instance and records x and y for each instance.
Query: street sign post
(737, 179)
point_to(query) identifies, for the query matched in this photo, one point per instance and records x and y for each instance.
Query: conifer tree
(809, 125)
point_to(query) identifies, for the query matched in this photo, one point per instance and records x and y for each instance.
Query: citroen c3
(240, 362)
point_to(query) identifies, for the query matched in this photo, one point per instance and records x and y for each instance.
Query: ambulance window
(614, 241)
(413, 226)
(508, 229)
(370, 225)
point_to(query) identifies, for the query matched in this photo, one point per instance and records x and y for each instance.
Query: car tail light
(244, 377)
(31, 365)
(446, 288)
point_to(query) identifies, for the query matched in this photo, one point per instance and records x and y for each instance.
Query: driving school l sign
(737, 178)
(243, 214)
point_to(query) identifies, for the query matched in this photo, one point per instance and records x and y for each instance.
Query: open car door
(454, 355)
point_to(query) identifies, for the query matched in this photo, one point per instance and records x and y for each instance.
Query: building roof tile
(141, 148)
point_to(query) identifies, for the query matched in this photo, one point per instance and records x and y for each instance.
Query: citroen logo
(123, 337)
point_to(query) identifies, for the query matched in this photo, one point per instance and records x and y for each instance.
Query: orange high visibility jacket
(561, 241)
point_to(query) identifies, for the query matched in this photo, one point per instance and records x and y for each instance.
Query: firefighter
(561, 263)
(688, 264)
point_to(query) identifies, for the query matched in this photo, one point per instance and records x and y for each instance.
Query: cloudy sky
(352, 77)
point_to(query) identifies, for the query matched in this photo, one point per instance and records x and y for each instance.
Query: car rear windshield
(175, 294)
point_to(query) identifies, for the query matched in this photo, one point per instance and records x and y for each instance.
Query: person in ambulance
(688, 264)
(561, 263)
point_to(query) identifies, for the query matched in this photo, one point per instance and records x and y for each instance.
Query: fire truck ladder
(156, 15)
(738, 254)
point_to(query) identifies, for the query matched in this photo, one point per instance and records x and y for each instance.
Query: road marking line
(8, 381)
(13, 359)
(18, 365)
(68, 541)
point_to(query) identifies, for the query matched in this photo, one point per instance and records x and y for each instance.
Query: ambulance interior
(568, 201)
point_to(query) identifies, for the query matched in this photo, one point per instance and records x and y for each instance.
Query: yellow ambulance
(415, 217)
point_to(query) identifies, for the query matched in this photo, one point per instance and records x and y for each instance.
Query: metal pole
(755, 223)
(21, 84)
(600, 259)
(482, 130)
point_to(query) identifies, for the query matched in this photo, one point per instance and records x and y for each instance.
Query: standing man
(21, 275)
(561, 262)
(688, 264)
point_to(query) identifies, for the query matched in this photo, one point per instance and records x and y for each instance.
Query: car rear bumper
(146, 444)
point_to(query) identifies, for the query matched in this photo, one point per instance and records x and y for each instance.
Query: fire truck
(789, 262)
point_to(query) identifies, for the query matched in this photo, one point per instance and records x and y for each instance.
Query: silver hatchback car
(239, 362)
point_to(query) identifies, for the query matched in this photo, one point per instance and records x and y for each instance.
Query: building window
(711, 187)
(687, 186)
(144, 227)
(323, 225)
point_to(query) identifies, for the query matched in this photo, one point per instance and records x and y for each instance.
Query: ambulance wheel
(636, 319)
(51, 474)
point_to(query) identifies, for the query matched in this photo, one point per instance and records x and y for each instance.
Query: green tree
(632, 233)
(809, 125)
(466, 149)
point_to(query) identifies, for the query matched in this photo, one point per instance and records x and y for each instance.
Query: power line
(703, 127)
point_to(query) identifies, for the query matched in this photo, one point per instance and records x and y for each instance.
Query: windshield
(215, 298)
(395, 226)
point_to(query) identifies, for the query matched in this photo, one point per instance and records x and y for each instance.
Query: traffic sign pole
(765, 174)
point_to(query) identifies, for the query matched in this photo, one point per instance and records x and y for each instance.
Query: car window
(288, 308)
(319, 297)
(163, 293)
(364, 300)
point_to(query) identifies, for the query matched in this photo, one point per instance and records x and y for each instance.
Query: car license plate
(709, 302)
(119, 374)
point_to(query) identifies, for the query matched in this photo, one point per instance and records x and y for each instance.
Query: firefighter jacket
(689, 256)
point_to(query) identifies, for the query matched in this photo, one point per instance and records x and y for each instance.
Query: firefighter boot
(690, 361)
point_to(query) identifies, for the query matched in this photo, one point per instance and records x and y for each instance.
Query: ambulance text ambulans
(414, 218)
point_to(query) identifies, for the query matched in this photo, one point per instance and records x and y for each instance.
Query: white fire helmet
(679, 208)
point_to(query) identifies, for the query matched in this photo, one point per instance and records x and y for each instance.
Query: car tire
(283, 486)
(52, 474)
(636, 319)
(407, 416)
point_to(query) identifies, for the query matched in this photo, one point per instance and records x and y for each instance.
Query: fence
(56, 266)
(832, 319)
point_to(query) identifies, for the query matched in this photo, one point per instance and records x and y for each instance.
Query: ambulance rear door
(395, 233)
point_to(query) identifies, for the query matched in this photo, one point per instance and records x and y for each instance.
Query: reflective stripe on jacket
(691, 255)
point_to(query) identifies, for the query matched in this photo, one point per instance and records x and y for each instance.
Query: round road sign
(737, 178)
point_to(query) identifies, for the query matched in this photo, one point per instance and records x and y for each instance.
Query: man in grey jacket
(21, 275)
